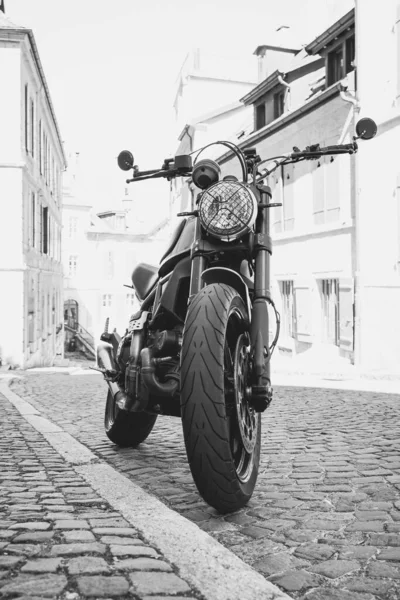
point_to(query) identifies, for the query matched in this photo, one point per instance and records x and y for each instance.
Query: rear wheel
(124, 428)
(222, 432)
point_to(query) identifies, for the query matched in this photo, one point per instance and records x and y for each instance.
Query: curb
(214, 570)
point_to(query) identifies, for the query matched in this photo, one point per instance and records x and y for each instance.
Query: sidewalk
(70, 524)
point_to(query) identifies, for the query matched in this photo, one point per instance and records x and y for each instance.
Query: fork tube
(198, 264)
(260, 321)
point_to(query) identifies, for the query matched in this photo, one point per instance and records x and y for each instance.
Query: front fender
(230, 277)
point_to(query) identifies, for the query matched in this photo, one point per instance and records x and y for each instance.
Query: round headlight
(228, 210)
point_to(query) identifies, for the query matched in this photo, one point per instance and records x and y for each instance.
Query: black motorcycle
(199, 347)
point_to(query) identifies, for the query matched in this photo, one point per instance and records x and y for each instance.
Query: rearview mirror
(125, 160)
(366, 129)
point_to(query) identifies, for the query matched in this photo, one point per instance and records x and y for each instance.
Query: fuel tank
(181, 243)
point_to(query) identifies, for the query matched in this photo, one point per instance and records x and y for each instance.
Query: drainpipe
(287, 95)
(349, 97)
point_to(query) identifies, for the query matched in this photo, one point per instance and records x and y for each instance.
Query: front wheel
(125, 428)
(222, 432)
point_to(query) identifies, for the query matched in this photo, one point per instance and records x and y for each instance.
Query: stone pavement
(324, 521)
(59, 538)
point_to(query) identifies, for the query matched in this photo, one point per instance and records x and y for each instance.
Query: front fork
(259, 332)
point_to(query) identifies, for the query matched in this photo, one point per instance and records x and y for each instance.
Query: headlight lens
(228, 210)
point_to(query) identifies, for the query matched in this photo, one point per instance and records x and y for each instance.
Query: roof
(9, 27)
(320, 42)
(301, 64)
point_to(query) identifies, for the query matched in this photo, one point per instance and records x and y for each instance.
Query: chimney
(278, 53)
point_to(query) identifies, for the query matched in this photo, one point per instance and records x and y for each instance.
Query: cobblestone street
(324, 521)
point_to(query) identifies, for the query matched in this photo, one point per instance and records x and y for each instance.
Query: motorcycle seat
(144, 277)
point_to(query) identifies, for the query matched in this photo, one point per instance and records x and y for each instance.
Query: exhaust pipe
(154, 386)
(105, 360)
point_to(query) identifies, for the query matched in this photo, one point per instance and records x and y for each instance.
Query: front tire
(222, 433)
(124, 428)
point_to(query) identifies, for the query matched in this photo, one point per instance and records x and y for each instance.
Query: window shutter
(346, 314)
(303, 310)
(398, 50)
(288, 200)
(275, 182)
(332, 172)
(319, 191)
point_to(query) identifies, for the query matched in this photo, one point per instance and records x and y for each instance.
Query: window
(33, 220)
(26, 118)
(107, 300)
(282, 185)
(40, 148)
(72, 265)
(340, 60)
(350, 54)
(335, 65)
(326, 195)
(109, 265)
(32, 129)
(44, 227)
(286, 288)
(260, 116)
(279, 104)
(72, 227)
(120, 223)
(130, 299)
(330, 311)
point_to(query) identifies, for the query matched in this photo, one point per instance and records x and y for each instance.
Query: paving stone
(336, 594)
(120, 531)
(48, 586)
(384, 539)
(294, 581)
(32, 525)
(363, 584)
(138, 550)
(34, 536)
(102, 586)
(78, 548)
(5, 535)
(42, 565)
(335, 568)
(71, 524)
(357, 552)
(314, 551)
(142, 564)
(24, 549)
(78, 535)
(372, 515)
(163, 583)
(113, 522)
(87, 564)
(365, 526)
(121, 541)
(389, 554)
(321, 525)
(8, 562)
(278, 563)
(381, 569)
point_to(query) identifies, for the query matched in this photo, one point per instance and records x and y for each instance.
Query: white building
(99, 254)
(31, 164)
(336, 248)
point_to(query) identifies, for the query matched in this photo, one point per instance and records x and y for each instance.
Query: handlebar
(316, 151)
(169, 169)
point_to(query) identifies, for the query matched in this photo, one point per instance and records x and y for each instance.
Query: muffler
(105, 360)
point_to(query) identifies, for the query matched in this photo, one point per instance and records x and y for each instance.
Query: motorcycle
(199, 346)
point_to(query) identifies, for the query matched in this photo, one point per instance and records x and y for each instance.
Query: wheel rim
(243, 421)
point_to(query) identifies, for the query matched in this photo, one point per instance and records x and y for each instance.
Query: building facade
(336, 237)
(99, 254)
(32, 161)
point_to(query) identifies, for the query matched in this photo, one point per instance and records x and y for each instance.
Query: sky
(111, 69)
